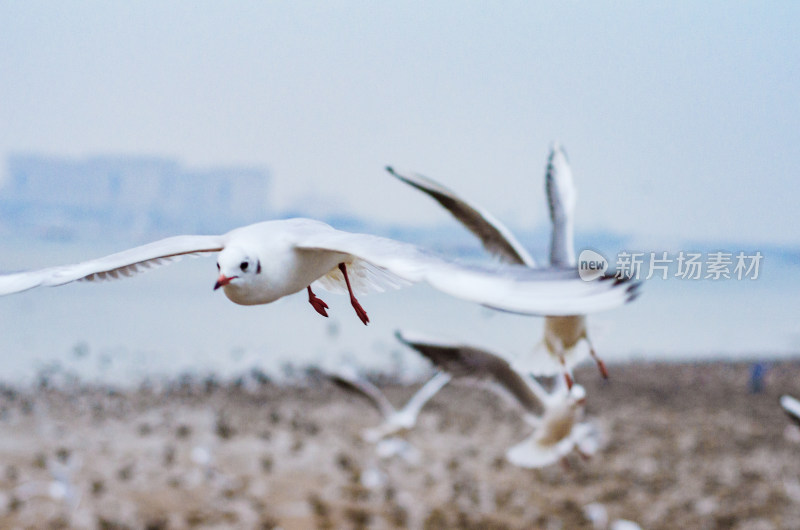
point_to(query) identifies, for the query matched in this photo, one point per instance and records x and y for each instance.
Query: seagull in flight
(563, 333)
(791, 407)
(555, 416)
(263, 262)
(394, 420)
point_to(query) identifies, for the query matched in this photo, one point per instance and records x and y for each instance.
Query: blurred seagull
(471, 364)
(562, 333)
(394, 420)
(561, 431)
(554, 415)
(60, 488)
(263, 262)
(792, 408)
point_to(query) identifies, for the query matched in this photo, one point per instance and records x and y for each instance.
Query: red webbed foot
(360, 311)
(318, 304)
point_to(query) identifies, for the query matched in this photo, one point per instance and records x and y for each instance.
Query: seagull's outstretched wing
(495, 237)
(425, 393)
(361, 387)
(125, 263)
(510, 288)
(791, 407)
(561, 200)
(462, 361)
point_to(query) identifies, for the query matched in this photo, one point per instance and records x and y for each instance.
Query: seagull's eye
(217, 266)
(244, 266)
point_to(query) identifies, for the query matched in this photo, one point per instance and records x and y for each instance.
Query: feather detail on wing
(122, 264)
(470, 363)
(561, 196)
(364, 278)
(349, 381)
(511, 288)
(495, 237)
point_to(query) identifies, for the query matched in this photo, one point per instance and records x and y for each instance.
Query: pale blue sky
(682, 120)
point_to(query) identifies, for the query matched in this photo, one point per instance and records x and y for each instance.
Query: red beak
(222, 281)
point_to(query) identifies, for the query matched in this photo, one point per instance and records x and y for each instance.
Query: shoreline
(686, 445)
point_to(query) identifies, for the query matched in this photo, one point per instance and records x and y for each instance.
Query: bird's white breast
(284, 269)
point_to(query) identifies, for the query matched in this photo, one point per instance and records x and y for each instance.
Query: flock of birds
(263, 262)
(556, 415)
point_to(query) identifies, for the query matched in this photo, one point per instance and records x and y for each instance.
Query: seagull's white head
(236, 268)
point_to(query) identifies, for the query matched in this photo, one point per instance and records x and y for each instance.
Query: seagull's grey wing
(122, 264)
(495, 237)
(510, 288)
(791, 407)
(561, 197)
(366, 390)
(426, 392)
(468, 362)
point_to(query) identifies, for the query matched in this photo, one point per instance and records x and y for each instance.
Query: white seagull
(394, 420)
(263, 262)
(792, 408)
(554, 415)
(561, 431)
(62, 486)
(564, 333)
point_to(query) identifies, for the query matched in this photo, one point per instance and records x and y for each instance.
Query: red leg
(567, 376)
(317, 303)
(359, 310)
(600, 364)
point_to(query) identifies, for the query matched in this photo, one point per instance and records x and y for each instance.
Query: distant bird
(554, 415)
(394, 420)
(60, 488)
(598, 516)
(791, 407)
(563, 333)
(398, 447)
(263, 262)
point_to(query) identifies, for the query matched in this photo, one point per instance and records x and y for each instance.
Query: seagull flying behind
(556, 416)
(394, 420)
(263, 262)
(563, 334)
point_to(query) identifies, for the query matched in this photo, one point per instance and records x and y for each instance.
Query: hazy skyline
(681, 121)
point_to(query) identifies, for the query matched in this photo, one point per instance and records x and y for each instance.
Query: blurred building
(131, 196)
